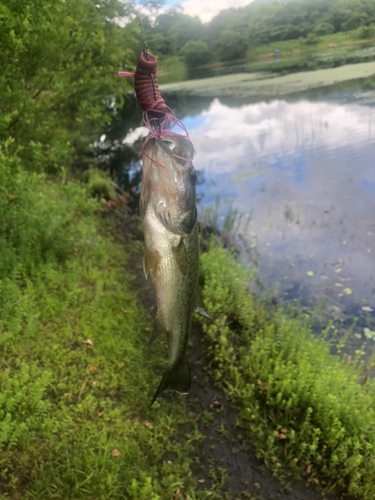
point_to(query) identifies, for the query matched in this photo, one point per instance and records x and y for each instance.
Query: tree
(260, 23)
(183, 29)
(59, 61)
(311, 39)
(231, 46)
(196, 53)
(324, 29)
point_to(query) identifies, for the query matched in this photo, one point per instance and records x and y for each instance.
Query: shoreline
(262, 85)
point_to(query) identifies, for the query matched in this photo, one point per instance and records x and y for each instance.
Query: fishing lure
(146, 86)
(157, 116)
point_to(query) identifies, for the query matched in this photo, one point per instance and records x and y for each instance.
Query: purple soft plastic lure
(159, 118)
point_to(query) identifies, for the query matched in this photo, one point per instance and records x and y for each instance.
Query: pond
(302, 164)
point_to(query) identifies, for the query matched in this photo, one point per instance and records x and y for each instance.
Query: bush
(99, 184)
(297, 403)
(366, 32)
(322, 29)
(311, 39)
(196, 53)
(74, 377)
(59, 61)
(231, 46)
(35, 228)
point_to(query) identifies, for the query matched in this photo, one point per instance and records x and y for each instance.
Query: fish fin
(177, 378)
(157, 331)
(181, 257)
(199, 307)
(150, 263)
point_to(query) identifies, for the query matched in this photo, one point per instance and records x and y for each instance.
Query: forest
(235, 31)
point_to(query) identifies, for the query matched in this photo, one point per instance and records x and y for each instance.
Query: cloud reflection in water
(307, 169)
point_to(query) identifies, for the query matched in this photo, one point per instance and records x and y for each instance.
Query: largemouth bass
(171, 259)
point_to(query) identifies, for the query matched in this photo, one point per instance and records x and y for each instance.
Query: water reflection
(279, 132)
(306, 170)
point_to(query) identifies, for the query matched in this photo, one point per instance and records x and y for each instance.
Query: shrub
(196, 53)
(322, 29)
(59, 61)
(366, 32)
(231, 46)
(311, 39)
(34, 227)
(99, 184)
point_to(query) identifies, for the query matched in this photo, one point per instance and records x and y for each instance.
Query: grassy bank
(344, 39)
(75, 379)
(307, 413)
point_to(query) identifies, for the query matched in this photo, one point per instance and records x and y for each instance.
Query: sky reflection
(306, 170)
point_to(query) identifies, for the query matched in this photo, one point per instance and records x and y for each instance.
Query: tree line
(234, 31)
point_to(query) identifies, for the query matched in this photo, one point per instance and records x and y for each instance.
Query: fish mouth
(169, 181)
(179, 147)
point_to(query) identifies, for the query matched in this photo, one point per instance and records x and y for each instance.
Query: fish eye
(170, 145)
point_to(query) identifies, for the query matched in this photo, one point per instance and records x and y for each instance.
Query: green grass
(304, 410)
(75, 379)
(289, 46)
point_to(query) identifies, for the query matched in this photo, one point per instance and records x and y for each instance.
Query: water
(304, 167)
(306, 170)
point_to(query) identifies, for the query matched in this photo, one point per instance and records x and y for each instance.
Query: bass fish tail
(176, 378)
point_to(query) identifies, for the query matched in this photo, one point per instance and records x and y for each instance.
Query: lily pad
(367, 309)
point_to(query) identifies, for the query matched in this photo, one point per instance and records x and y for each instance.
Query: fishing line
(154, 39)
(143, 30)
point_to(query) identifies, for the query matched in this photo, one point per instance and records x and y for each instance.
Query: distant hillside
(235, 31)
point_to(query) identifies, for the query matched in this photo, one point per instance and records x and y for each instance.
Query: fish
(169, 214)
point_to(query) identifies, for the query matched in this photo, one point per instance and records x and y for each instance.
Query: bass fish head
(168, 183)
